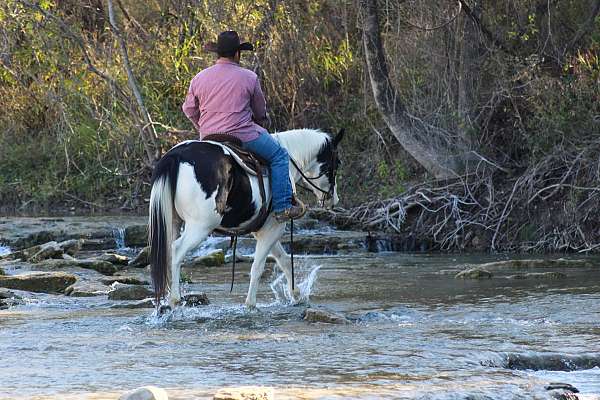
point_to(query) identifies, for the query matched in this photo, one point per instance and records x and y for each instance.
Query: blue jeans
(270, 149)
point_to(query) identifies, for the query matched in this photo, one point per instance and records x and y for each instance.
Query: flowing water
(415, 333)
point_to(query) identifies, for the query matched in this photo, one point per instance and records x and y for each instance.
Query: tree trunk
(441, 154)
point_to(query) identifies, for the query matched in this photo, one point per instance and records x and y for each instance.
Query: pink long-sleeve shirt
(226, 98)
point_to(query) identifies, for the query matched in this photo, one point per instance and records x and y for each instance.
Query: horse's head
(320, 177)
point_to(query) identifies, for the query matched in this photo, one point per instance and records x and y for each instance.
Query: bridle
(330, 175)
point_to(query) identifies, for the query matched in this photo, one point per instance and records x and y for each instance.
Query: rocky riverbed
(77, 320)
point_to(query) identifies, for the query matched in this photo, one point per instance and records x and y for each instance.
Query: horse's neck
(302, 156)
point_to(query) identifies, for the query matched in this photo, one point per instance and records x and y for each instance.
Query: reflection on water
(416, 333)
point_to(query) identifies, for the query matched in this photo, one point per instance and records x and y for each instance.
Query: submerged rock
(551, 362)
(113, 258)
(129, 292)
(195, 299)
(146, 393)
(146, 303)
(539, 275)
(474, 273)
(556, 263)
(43, 282)
(9, 299)
(245, 393)
(142, 259)
(86, 289)
(558, 385)
(319, 315)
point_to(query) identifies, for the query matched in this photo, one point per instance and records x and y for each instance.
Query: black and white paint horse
(199, 185)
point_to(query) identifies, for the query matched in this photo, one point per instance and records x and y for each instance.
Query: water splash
(5, 250)
(119, 235)
(304, 287)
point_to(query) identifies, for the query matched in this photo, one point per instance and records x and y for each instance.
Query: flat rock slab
(129, 292)
(125, 279)
(474, 273)
(22, 232)
(86, 289)
(319, 315)
(146, 393)
(245, 393)
(41, 282)
(104, 267)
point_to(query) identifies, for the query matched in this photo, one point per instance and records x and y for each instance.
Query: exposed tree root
(551, 206)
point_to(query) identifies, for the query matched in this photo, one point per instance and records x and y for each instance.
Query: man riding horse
(227, 99)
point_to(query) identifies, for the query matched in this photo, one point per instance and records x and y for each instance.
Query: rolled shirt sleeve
(258, 104)
(191, 107)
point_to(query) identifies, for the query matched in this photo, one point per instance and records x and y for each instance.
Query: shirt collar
(221, 61)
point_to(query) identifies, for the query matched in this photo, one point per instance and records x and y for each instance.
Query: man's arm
(191, 107)
(259, 105)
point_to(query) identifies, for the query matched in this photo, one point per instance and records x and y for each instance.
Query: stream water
(416, 333)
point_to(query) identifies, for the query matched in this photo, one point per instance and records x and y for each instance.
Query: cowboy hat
(228, 42)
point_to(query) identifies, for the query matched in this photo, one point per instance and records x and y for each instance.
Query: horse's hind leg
(265, 239)
(284, 262)
(191, 238)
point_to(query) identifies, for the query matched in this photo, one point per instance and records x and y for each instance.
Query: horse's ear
(338, 138)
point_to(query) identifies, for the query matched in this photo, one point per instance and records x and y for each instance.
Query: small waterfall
(119, 235)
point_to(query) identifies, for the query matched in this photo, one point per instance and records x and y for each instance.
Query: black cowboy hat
(228, 42)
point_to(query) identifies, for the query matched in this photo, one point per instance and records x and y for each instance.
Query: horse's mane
(303, 145)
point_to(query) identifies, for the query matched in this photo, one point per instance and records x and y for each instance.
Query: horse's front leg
(284, 262)
(266, 237)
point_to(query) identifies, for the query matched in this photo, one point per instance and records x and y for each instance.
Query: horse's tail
(160, 224)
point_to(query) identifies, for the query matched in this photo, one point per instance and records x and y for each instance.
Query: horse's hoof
(164, 309)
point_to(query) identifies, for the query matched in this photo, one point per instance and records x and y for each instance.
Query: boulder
(71, 247)
(136, 235)
(103, 267)
(538, 275)
(86, 289)
(142, 259)
(129, 292)
(43, 282)
(8, 299)
(474, 273)
(245, 393)
(47, 250)
(195, 299)
(146, 303)
(114, 258)
(213, 259)
(125, 279)
(2, 272)
(320, 315)
(564, 386)
(146, 393)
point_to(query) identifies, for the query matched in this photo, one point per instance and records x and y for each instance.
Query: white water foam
(5, 250)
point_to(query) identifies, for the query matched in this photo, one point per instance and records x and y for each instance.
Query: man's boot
(297, 210)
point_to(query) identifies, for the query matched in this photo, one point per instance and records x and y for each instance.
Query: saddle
(251, 163)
